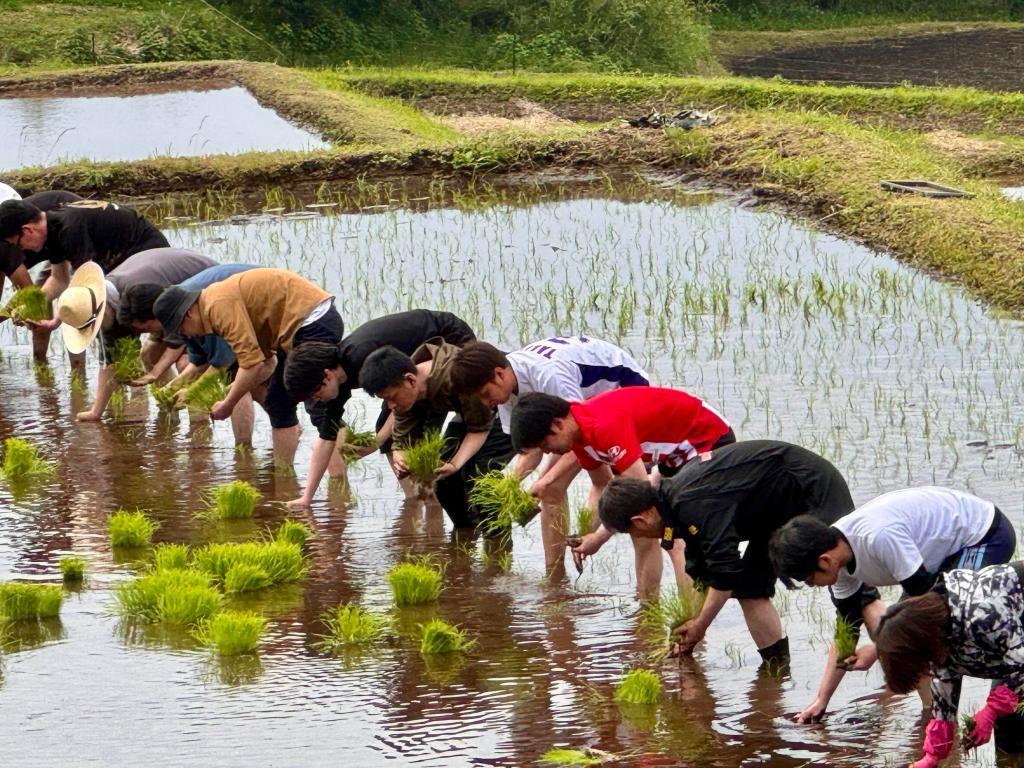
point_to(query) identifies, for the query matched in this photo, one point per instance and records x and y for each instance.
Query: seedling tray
(926, 188)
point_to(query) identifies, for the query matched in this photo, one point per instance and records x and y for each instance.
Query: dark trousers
(452, 491)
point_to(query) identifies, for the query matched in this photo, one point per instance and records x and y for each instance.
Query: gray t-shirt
(160, 266)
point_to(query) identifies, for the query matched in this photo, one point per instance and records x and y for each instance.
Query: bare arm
(105, 386)
(322, 451)
(59, 279)
(692, 632)
(160, 367)
(246, 380)
(468, 448)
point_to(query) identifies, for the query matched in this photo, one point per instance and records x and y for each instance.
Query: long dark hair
(912, 635)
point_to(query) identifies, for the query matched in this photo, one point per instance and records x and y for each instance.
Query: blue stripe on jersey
(621, 374)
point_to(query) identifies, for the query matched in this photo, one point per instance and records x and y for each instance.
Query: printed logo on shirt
(667, 534)
(693, 530)
(706, 456)
(93, 204)
(616, 452)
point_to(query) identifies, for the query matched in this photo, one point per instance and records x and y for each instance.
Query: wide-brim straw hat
(80, 307)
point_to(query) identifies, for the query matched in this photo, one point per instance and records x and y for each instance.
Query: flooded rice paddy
(791, 333)
(45, 130)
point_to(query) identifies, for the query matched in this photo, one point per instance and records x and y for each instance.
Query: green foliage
(230, 633)
(659, 618)
(170, 557)
(206, 391)
(846, 636)
(414, 583)
(294, 532)
(245, 577)
(438, 637)
(503, 502)
(22, 460)
(822, 14)
(232, 501)
(28, 303)
(165, 397)
(350, 624)
(584, 521)
(73, 568)
(131, 529)
(280, 561)
(639, 686)
(423, 458)
(572, 757)
(126, 358)
(24, 602)
(175, 596)
(356, 439)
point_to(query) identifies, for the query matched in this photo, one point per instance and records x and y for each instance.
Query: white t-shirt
(895, 534)
(571, 367)
(7, 192)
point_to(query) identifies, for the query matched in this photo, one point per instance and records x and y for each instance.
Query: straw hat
(80, 307)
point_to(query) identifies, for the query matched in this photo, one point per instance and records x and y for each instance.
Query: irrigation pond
(790, 332)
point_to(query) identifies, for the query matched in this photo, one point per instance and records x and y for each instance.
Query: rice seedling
(28, 303)
(126, 358)
(659, 618)
(280, 561)
(355, 440)
(206, 391)
(231, 501)
(294, 532)
(230, 633)
(78, 386)
(73, 568)
(170, 557)
(584, 521)
(639, 686)
(846, 636)
(414, 583)
(166, 397)
(24, 602)
(245, 577)
(131, 529)
(423, 458)
(176, 596)
(350, 624)
(502, 502)
(571, 757)
(967, 723)
(439, 637)
(44, 374)
(117, 402)
(22, 460)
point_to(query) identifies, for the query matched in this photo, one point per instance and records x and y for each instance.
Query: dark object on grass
(685, 119)
(926, 188)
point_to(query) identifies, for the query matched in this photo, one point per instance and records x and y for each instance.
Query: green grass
(231, 633)
(174, 596)
(639, 686)
(414, 583)
(170, 557)
(503, 502)
(846, 636)
(126, 358)
(423, 458)
(28, 303)
(280, 561)
(22, 460)
(131, 529)
(294, 532)
(439, 637)
(571, 757)
(206, 391)
(73, 568)
(659, 618)
(25, 602)
(232, 501)
(351, 624)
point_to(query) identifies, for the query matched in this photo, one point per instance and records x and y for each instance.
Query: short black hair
(794, 548)
(137, 303)
(386, 367)
(473, 366)
(304, 368)
(14, 214)
(532, 417)
(623, 499)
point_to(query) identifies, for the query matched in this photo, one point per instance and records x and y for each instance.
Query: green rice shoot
(73, 568)
(166, 397)
(183, 597)
(355, 439)
(350, 624)
(118, 401)
(245, 577)
(170, 557)
(570, 757)
(415, 583)
(280, 561)
(294, 532)
(231, 633)
(231, 501)
(502, 502)
(28, 303)
(423, 458)
(584, 521)
(131, 530)
(660, 618)
(22, 460)
(206, 391)
(29, 602)
(846, 636)
(639, 686)
(439, 637)
(126, 358)
(967, 723)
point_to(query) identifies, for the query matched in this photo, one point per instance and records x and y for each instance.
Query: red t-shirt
(655, 424)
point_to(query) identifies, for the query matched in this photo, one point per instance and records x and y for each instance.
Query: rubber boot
(775, 657)
(1009, 733)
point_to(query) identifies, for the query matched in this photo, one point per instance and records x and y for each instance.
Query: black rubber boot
(1009, 733)
(775, 658)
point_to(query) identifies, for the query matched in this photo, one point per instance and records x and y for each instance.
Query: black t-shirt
(94, 230)
(10, 257)
(52, 199)
(405, 331)
(745, 492)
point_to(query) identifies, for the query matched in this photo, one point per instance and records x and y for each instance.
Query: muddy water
(46, 130)
(791, 333)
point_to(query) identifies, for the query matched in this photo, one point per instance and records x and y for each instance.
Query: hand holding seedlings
(588, 545)
(221, 410)
(445, 470)
(143, 381)
(812, 714)
(860, 660)
(689, 634)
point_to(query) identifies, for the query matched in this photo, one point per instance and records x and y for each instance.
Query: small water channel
(791, 333)
(45, 130)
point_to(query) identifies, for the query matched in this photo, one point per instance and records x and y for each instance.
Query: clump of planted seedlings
(22, 460)
(440, 637)
(170, 557)
(294, 532)
(423, 458)
(350, 624)
(206, 391)
(503, 502)
(251, 564)
(126, 359)
(231, 633)
(26, 602)
(570, 757)
(639, 686)
(416, 582)
(231, 501)
(354, 440)
(73, 568)
(660, 618)
(175, 596)
(28, 303)
(583, 522)
(131, 530)
(846, 636)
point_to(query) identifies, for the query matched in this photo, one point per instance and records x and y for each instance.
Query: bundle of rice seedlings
(571, 757)
(350, 624)
(206, 391)
(846, 636)
(281, 561)
(73, 567)
(28, 303)
(44, 374)
(245, 577)
(22, 460)
(353, 440)
(126, 358)
(639, 686)
(131, 529)
(176, 596)
(584, 521)
(414, 583)
(116, 404)
(441, 637)
(22, 602)
(166, 397)
(170, 557)
(423, 458)
(294, 532)
(967, 723)
(230, 633)
(231, 501)
(502, 502)
(659, 618)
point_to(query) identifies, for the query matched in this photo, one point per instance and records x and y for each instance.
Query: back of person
(159, 266)
(405, 331)
(95, 230)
